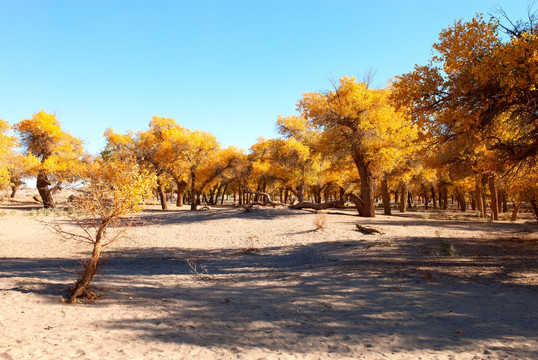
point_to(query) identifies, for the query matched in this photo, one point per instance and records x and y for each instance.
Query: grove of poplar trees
(463, 126)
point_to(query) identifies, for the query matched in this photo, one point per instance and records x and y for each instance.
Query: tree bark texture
(13, 191)
(181, 185)
(517, 205)
(386, 196)
(434, 202)
(162, 195)
(193, 192)
(494, 198)
(403, 197)
(478, 193)
(42, 185)
(89, 270)
(367, 181)
(534, 207)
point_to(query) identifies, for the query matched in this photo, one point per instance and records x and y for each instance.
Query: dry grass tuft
(320, 221)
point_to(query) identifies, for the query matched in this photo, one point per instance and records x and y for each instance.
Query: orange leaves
(460, 45)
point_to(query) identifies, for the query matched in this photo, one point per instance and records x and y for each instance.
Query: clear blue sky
(228, 67)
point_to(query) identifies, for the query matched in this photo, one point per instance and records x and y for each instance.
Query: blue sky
(228, 67)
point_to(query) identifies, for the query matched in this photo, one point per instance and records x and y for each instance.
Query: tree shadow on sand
(332, 296)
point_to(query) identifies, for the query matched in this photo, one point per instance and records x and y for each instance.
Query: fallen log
(337, 204)
(368, 230)
(266, 203)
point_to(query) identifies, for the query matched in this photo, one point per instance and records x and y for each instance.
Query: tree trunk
(443, 197)
(426, 197)
(42, 185)
(493, 192)
(404, 197)
(89, 270)
(473, 201)
(162, 195)
(534, 207)
(342, 193)
(300, 193)
(409, 199)
(478, 193)
(386, 196)
(359, 203)
(515, 211)
(367, 181)
(193, 192)
(14, 189)
(181, 185)
(223, 193)
(434, 202)
(462, 203)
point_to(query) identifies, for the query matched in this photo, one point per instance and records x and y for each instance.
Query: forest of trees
(462, 127)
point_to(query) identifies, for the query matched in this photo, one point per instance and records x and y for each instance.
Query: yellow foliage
(7, 154)
(355, 115)
(114, 188)
(57, 151)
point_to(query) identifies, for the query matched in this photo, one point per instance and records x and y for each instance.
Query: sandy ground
(299, 293)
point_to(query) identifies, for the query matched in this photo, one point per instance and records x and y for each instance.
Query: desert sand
(224, 283)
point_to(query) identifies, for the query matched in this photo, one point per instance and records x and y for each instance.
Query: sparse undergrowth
(320, 220)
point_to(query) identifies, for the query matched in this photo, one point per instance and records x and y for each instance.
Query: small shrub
(505, 216)
(320, 221)
(448, 249)
(198, 271)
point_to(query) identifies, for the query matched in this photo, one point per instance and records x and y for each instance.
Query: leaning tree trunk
(367, 181)
(517, 205)
(162, 195)
(359, 204)
(386, 196)
(42, 185)
(534, 207)
(89, 270)
(14, 189)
